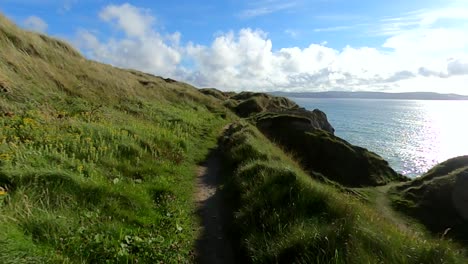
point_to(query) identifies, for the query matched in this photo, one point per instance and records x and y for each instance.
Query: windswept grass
(97, 164)
(285, 216)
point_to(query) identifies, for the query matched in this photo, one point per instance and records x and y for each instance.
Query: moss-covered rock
(297, 120)
(246, 104)
(439, 198)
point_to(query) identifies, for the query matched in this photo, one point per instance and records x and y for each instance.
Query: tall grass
(97, 164)
(285, 216)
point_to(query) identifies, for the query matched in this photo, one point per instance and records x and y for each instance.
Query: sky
(268, 45)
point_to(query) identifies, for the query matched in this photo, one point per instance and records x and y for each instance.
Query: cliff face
(336, 159)
(439, 198)
(309, 135)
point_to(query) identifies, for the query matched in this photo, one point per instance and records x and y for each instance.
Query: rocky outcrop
(321, 152)
(439, 198)
(246, 104)
(271, 111)
(296, 120)
(309, 135)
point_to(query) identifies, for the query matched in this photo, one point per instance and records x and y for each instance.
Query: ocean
(412, 135)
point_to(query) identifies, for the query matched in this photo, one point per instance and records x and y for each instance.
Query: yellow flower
(2, 193)
(5, 156)
(28, 121)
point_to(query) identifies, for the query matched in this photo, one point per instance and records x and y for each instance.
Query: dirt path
(212, 246)
(382, 203)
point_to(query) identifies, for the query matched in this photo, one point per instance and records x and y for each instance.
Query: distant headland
(373, 95)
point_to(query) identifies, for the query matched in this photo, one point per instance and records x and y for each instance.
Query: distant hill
(374, 95)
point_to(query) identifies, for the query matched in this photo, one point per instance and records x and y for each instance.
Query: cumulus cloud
(35, 23)
(412, 57)
(457, 67)
(135, 22)
(142, 47)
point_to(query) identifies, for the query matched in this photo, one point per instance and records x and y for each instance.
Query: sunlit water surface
(411, 135)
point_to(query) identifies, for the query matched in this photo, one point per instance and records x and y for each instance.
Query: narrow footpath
(383, 205)
(213, 246)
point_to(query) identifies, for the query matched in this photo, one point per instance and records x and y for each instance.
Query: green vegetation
(285, 216)
(97, 164)
(246, 104)
(333, 157)
(438, 199)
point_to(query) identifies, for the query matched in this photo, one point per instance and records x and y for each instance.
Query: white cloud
(142, 47)
(332, 29)
(67, 6)
(418, 55)
(457, 67)
(292, 33)
(135, 22)
(266, 7)
(35, 23)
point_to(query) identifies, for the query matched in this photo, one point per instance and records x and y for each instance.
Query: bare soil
(213, 245)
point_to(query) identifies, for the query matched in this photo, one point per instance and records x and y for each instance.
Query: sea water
(412, 135)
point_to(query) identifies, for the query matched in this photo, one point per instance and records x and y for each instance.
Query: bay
(412, 135)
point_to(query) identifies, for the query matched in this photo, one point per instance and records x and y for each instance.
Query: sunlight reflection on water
(411, 135)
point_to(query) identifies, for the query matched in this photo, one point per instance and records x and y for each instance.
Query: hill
(438, 199)
(98, 165)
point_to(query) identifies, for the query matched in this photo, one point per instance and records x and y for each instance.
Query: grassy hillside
(96, 163)
(285, 216)
(438, 199)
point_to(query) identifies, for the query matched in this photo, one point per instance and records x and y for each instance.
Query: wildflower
(2, 191)
(5, 156)
(29, 121)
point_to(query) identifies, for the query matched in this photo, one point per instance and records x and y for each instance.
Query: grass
(97, 164)
(285, 216)
(440, 190)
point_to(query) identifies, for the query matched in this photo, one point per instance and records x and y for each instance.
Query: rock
(322, 152)
(439, 198)
(296, 120)
(249, 107)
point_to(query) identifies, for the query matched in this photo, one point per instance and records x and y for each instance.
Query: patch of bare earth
(213, 245)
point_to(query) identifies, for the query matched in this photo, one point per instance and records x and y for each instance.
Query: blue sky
(269, 44)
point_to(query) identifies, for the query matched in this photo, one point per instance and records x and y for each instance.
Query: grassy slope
(285, 216)
(98, 165)
(437, 199)
(97, 162)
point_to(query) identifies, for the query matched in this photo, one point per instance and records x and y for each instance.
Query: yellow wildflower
(29, 121)
(5, 156)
